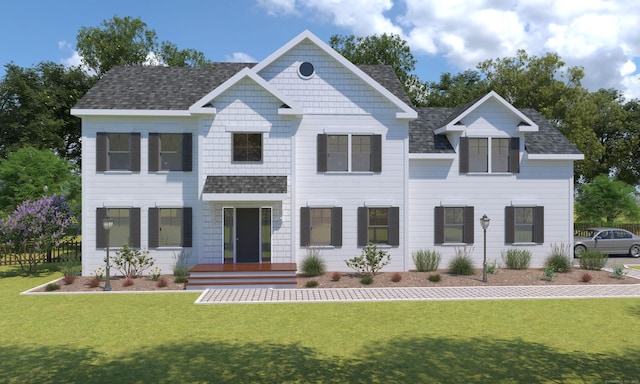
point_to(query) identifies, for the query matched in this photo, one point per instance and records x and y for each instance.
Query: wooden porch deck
(249, 275)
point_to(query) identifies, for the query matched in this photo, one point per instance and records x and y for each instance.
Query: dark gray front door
(248, 235)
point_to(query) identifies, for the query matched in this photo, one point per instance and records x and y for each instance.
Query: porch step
(240, 276)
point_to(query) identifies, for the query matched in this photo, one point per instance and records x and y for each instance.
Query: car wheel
(579, 250)
(634, 251)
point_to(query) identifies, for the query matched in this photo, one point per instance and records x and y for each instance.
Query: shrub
(51, 287)
(155, 274)
(132, 262)
(370, 261)
(313, 264)
(434, 278)
(366, 280)
(548, 274)
(558, 260)
(70, 266)
(586, 277)
(311, 284)
(181, 266)
(426, 260)
(515, 258)
(492, 267)
(336, 276)
(618, 271)
(127, 282)
(94, 283)
(162, 282)
(68, 279)
(593, 260)
(462, 264)
(396, 277)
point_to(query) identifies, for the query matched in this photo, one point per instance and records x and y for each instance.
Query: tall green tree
(30, 173)
(387, 49)
(129, 41)
(604, 200)
(35, 106)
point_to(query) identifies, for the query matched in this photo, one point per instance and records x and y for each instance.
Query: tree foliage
(35, 106)
(30, 173)
(33, 228)
(388, 49)
(604, 200)
(129, 41)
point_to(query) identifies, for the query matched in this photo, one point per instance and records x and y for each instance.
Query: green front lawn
(165, 338)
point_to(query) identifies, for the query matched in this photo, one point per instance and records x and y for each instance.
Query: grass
(94, 338)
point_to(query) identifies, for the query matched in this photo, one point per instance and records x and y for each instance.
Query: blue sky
(600, 35)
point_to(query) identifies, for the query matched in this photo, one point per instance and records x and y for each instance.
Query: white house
(255, 163)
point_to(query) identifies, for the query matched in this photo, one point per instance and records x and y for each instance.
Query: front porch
(242, 275)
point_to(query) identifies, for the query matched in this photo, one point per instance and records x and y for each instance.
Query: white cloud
(602, 36)
(240, 57)
(73, 59)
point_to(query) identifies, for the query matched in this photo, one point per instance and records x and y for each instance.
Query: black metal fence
(633, 228)
(65, 251)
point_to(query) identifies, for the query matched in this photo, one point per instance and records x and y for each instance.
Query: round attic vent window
(306, 69)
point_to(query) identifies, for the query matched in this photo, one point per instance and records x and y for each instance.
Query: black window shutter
(154, 152)
(101, 152)
(376, 153)
(336, 226)
(463, 156)
(509, 225)
(363, 229)
(187, 152)
(468, 225)
(514, 155)
(538, 225)
(134, 152)
(187, 227)
(438, 221)
(322, 153)
(101, 234)
(154, 227)
(134, 227)
(305, 226)
(394, 226)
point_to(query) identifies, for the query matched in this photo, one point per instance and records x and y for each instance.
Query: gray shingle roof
(177, 88)
(245, 184)
(422, 139)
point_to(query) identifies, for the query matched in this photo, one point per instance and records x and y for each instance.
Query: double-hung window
(118, 152)
(349, 153)
(247, 147)
(524, 224)
(489, 155)
(454, 225)
(378, 225)
(321, 226)
(170, 152)
(125, 230)
(170, 227)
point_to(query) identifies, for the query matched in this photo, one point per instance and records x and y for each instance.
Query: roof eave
(129, 112)
(551, 156)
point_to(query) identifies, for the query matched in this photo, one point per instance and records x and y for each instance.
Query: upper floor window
(454, 225)
(170, 152)
(474, 155)
(125, 230)
(170, 227)
(321, 226)
(344, 153)
(118, 152)
(524, 225)
(378, 225)
(247, 147)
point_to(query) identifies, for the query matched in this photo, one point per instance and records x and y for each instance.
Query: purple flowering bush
(34, 228)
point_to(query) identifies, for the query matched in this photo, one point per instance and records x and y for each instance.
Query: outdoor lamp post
(484, 221)
(107, 223)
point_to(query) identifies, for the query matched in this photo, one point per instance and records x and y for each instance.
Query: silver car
(610, 241)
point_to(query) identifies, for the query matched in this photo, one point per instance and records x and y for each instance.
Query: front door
(247, 235)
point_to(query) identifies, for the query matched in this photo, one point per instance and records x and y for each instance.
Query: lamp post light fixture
(484, 221)
(107, 223)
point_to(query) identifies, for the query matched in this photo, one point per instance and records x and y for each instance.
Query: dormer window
(474, 155)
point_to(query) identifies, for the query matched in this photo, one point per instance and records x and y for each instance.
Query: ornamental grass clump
(515, 258)
(426, 260)
(593, 260)
(558, 260)
(462, 263)
(313, 264)
(181, 266)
